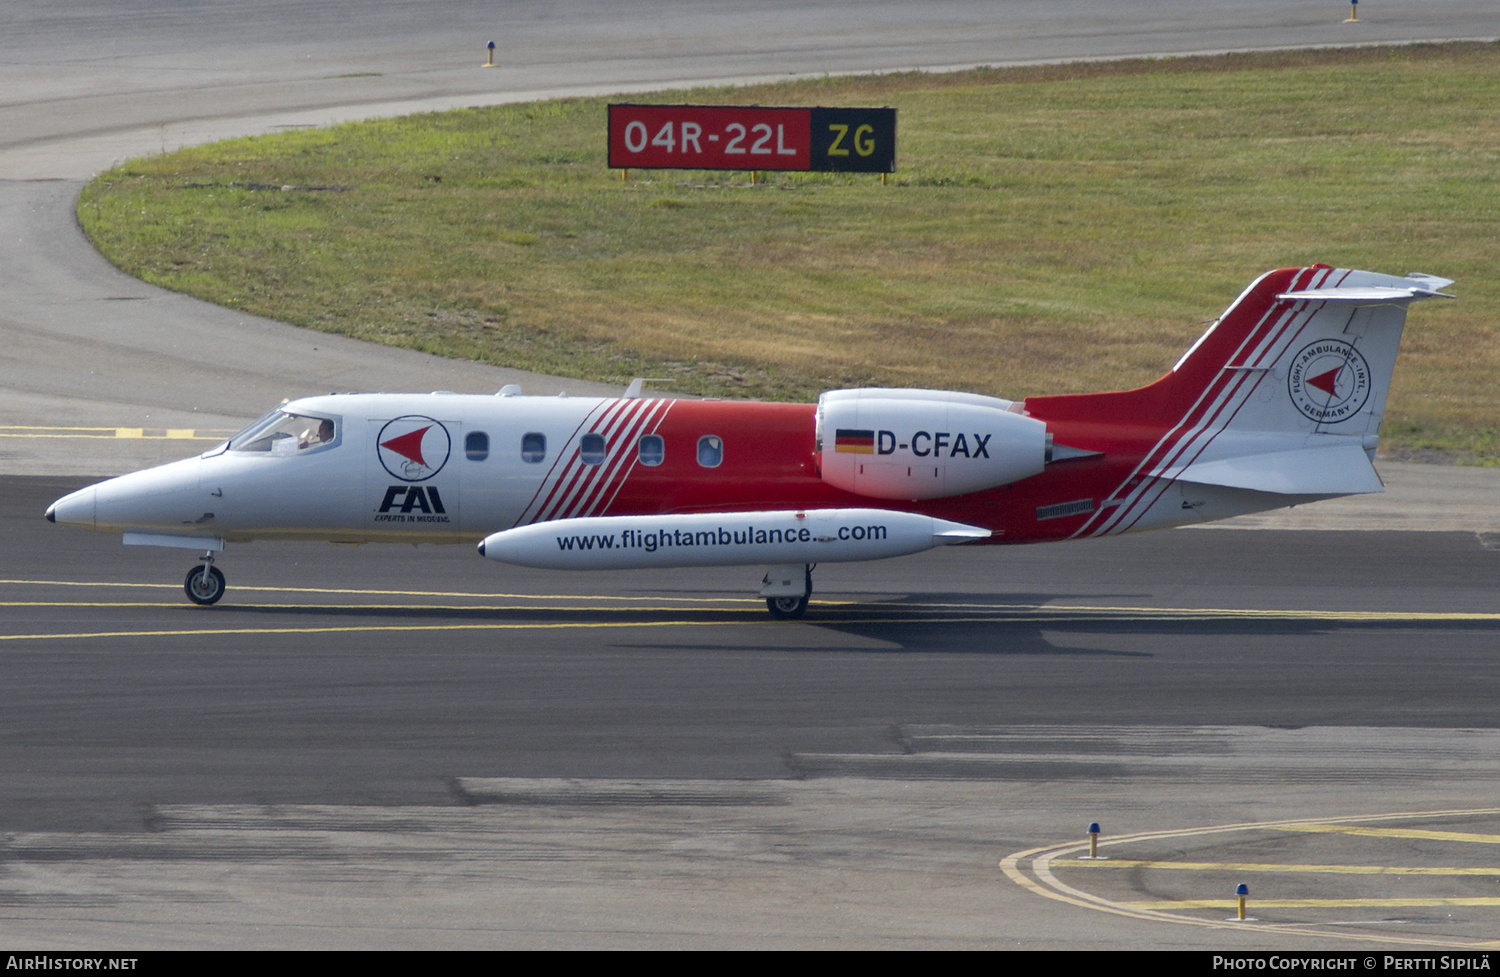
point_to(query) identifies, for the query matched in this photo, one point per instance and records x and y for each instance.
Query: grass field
(1048, 230)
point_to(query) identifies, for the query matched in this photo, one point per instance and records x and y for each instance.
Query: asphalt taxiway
(399, 747)
(412, 747)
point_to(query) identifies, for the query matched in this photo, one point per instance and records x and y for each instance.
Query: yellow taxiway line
(742, 618)
(1043, 882)
(100, 432)
(389, 593)
(990, 611)
(1395, 833)
(737, 609)
(349, 629)
(1230, 904)
(1276, 866)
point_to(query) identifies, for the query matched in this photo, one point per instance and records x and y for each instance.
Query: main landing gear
(205, 584)
(787, 589)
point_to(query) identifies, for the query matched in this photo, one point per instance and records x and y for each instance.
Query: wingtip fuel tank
(724, 539)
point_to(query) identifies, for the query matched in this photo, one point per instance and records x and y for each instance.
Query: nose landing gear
(205, 584)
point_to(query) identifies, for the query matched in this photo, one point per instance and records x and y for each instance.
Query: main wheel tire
(201, 589)
(787, 608)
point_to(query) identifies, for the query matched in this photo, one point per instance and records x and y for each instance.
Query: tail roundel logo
(1329, 381)
(413, 448)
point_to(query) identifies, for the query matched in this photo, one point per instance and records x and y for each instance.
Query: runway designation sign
(720, 137)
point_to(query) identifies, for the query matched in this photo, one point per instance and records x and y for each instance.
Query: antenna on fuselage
(633, 392)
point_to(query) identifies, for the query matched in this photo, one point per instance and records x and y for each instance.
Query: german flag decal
(854, 442)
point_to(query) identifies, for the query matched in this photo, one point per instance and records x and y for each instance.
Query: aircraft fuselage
(484, 464)
(1280, 402)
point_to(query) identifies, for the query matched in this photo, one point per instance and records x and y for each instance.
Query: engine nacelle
(924, 444)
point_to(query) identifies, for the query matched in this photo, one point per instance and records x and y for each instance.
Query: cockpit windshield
(284, 433)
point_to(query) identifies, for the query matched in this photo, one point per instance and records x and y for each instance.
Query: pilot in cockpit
(311, 438)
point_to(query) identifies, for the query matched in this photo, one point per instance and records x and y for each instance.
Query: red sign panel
(702, 137)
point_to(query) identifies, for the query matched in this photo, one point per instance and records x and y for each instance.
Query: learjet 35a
(1279, 403)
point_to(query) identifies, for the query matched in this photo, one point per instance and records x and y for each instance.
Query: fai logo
(412, 503)
(1329, 381)
(413, 448)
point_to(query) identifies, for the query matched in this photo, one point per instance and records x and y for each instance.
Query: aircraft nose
(167, 497)
(75, 509)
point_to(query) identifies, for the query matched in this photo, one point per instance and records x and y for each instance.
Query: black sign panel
(854, 140)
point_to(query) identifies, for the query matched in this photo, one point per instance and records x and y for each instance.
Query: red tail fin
(1242, 327)
(1281, 399)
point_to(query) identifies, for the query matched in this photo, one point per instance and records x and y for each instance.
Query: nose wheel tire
(787, 608)
(204, 585)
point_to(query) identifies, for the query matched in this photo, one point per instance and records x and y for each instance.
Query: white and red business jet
(1278, 403)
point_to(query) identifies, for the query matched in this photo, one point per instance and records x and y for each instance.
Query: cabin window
(533, 447)
(710, 451)
(476, 446)
(591, 449)
(651, 450)
(282, 433)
